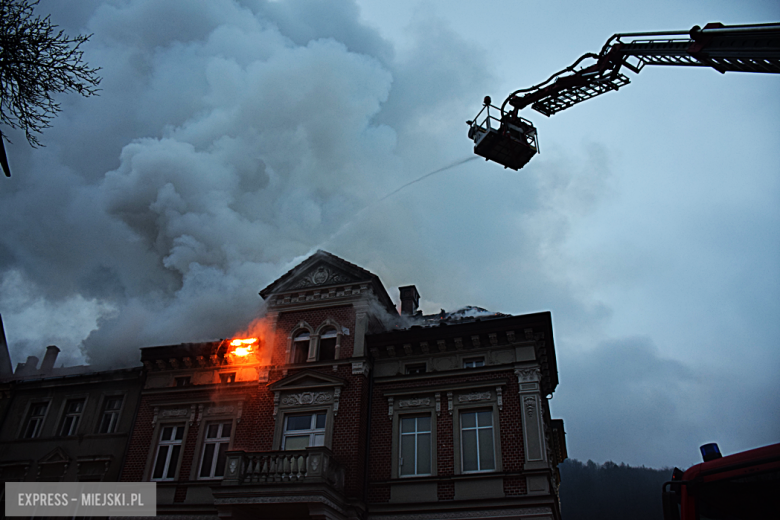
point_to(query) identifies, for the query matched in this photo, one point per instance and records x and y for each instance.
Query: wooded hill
(610, 491)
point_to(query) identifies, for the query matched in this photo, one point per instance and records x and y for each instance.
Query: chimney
(6, 369)
(410, 298)
(27, 368)
(47, 365)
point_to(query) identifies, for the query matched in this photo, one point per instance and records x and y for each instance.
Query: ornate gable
(325, 277)
(322, 269)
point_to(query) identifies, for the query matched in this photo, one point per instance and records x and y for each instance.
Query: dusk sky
(232, 139)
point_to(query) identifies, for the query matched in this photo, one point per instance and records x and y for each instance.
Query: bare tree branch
(37, 61)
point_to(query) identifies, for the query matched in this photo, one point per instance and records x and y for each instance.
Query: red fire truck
(743, 486)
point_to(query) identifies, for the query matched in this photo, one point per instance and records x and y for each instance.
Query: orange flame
(243, 347)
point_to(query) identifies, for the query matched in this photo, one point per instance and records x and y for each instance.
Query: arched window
(328, 340)
(300, 347)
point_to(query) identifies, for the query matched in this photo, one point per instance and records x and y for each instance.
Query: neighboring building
(65, 424)
(344, 409)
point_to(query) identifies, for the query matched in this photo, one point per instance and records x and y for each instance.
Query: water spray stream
(357, 215)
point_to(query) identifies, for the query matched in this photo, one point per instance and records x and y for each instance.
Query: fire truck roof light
(710, 452)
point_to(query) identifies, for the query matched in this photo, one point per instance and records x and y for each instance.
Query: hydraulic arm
(736, 48)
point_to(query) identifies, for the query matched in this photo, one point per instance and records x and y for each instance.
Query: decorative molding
(510, 335)
(459, 343)
(529, 334)
(442, 345)
(414, 402)
(475, 341)
(220, 409)
(336, 395)
(306, 398)
(500, 397)
(528, 374)
(240, 411)
(276, 403)
(360, 368)
(449, 402)
(176, 412)
(530, 406)
(390, 401)
(474, 396)
(424, 347)
(200, 414)
(321, 276)
(493, 338)
(438, 404)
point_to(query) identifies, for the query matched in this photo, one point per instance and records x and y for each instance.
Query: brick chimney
(410, 298)
(47, 365)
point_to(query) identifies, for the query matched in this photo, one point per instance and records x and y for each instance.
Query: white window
(302, 431)
(476, 440)
(415, 453)
(215, 446)
(474, 362)
(110, 417)
(35, 420)
(300, 348)
(168, 451)
(70, 422)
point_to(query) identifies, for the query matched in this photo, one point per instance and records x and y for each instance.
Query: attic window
(300, 347)
(228, 377)
(416, 368)
(183, 381)
(328, 345)
(474, 362)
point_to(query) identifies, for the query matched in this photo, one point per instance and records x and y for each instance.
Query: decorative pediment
(306, 380)
(322, 269)
(54, 456)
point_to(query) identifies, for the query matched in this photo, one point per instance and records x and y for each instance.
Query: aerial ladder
(502, 136)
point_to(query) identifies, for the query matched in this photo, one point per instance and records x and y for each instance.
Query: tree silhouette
(36, 62)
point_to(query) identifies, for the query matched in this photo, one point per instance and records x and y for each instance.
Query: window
(302, 431)
(476, 439)
(474, 362)
(328, 345)
(415, 456)
(168, 451)
(229, 377)
(70, 422)
(300, 349)
(417, 368)
(183, 381)
(110, 417)
(35, 420)
(215, 446)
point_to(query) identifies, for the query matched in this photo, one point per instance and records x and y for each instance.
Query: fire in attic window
(183, 381)
(229, 377)
(417, 368)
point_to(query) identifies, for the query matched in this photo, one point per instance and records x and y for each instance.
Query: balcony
(314, 465)
(281, 484)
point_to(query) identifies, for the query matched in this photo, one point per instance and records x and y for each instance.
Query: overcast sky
(232, 139)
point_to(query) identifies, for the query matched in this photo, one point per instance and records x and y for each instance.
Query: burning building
(334, 405)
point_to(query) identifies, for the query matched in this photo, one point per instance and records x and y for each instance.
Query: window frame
(475, 360)
(298, 344)
(172, 443)
(117, 414)
(217, 442)
(75, 416)
(311, 432)
(330, 332)
(416, 365)
(395, 452)
(41, 419)
(416, 434)
(458, 437)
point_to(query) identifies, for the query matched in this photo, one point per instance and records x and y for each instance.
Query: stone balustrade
(311, 465)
